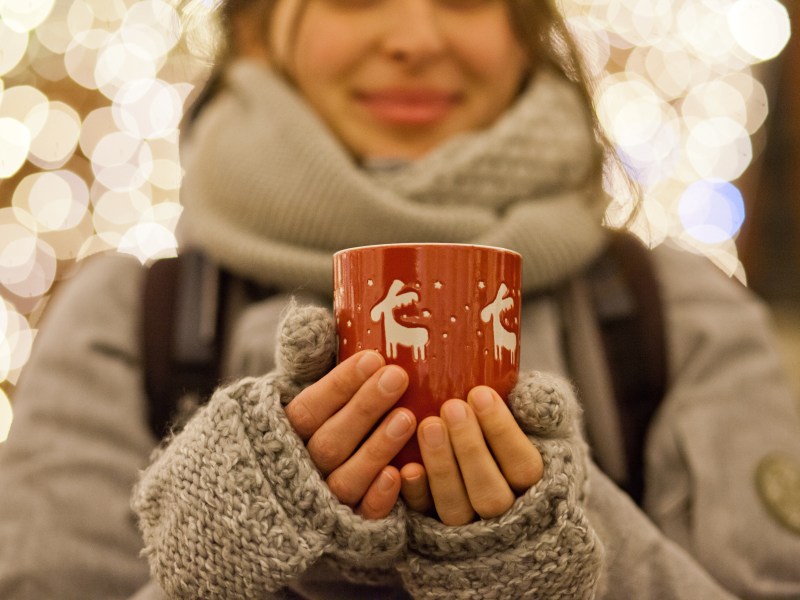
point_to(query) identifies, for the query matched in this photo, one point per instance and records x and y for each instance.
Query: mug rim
(435, 244)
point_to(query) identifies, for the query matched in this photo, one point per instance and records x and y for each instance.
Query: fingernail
(369, 363)
(399, 425)
(433, 433)
(385, 481)
(482, 399)
(392, 379)
(455, 412)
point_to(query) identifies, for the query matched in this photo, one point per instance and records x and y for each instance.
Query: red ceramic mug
(447, 313)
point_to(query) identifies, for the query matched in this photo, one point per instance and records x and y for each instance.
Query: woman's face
(395, 78)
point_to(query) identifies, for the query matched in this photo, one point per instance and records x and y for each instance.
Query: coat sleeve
(723, 454)
(640, 561)
(77, 441)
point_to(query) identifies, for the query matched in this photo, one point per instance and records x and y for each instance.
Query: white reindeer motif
(502, 337)
(397, 333)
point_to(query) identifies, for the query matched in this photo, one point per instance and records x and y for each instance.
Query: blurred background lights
(92, 93)
(12, 47)
(58, 137)
(760, 27)
(712, 211)
(15, 143)
(6, 415)
(24, 15)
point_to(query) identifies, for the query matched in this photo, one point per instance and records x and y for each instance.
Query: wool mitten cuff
(543, 547)
(233, 506)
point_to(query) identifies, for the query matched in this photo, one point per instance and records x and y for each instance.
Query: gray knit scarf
(270, 193)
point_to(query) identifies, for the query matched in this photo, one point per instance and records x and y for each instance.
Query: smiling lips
(408, 107)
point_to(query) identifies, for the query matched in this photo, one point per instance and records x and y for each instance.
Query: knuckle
(301, 418)
(324, 452)
(374, 455)
(440, 470)
(365, 412)
(469, 448)
(343, 492)
(499, 428)
(343, 384)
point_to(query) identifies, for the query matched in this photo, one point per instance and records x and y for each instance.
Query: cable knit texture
(270, 193)
(233, 507)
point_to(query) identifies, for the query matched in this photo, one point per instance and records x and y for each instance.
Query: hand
(463, 476)
(336, 418)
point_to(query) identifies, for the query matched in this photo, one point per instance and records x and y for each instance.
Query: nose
(413, 34)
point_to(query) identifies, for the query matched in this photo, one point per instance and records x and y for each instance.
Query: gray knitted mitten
(233, 506)
(543, 547)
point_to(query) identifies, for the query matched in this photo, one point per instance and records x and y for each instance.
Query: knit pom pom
(544, 404)
(306, 347)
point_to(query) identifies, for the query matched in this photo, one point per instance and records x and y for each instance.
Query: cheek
(499, 58)
(324, 51)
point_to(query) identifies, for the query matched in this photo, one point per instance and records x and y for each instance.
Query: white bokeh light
(17, 340)
(27, 263)
(57, 200)
(81, 56)
(24, 15)
(15, 143)
(56, 141)
(719, 148)
(630, 110)
(121, 62)
(149, 241)
(116, 212)
(121, 161)
(760, 27)
(27, 105)
(12, 47)
(54, 33)
(148, 108)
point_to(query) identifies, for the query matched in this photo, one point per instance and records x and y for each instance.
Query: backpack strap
(634, 341)
(180, 327)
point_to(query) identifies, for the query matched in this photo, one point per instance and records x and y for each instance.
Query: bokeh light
(92, 93)
(711, 211)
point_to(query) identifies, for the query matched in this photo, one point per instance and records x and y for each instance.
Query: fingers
(489, 493)
(335, 416)
(381, 495)
(414, 488)
(315, 404)
(339, 436)
(361, 388)
(518, 459)
(476, 457)
(447, 488)
(350, 481)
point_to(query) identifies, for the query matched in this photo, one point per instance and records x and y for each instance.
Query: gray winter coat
(720, 456)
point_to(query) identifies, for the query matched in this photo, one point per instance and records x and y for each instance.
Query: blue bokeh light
(712, 211)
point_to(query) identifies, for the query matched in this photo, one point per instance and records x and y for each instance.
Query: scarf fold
(270, 193)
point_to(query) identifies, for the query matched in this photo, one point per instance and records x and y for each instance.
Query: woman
(337, 123)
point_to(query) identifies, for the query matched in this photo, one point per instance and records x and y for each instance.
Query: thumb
(306, 342)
